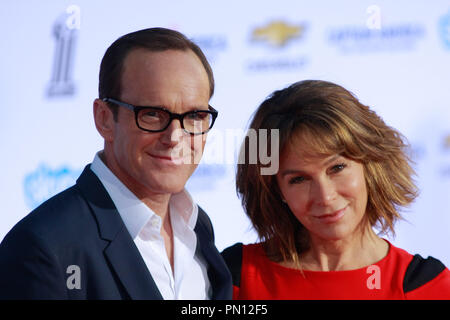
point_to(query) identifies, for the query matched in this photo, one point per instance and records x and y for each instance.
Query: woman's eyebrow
(294, 171)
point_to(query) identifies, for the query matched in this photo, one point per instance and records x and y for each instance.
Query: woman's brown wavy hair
(331, 121)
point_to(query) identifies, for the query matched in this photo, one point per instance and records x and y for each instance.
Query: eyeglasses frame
(172, 115)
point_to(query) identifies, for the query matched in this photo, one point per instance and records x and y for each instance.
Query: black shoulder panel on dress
(233, 257)
(420, 271)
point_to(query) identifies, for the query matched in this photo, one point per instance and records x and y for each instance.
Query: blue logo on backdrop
(205, 176)
(44, 182)
(444, 29)
(359, 39)
(211, 45)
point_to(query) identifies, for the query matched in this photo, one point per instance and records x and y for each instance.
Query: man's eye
(151, 114)
(197, 116)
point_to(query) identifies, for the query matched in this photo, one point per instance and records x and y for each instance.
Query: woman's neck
(358, 251)
(344, 254)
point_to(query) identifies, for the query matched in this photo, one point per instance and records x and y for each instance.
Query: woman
(342, 173)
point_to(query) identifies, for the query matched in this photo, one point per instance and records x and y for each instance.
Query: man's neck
(157, 202)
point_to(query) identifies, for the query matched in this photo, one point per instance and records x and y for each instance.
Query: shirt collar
(181, 204)
(134, 213)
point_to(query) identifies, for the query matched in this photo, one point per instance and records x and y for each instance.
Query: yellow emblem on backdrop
(278, 33)
(447, 142)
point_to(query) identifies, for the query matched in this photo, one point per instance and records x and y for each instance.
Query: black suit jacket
(81, 227)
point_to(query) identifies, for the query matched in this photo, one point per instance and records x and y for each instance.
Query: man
(128, 229)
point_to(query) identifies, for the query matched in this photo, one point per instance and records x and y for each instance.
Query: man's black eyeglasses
(157, 119)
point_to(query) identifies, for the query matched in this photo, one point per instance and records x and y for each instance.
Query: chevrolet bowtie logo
(278, 33)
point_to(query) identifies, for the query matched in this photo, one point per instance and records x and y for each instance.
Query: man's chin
(165, 185)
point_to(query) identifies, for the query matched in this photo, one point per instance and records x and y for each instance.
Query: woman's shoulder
(233, 257)
(416, 265)
(423, 278)
(238, 253)
(234, 253)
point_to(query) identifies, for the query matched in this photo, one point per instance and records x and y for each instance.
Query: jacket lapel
(218, 273)
(127, 262)
(122, 253)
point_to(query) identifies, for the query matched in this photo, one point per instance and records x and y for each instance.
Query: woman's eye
(296, 180)
(338, 167)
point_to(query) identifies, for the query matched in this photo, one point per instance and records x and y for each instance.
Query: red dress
(399, 275)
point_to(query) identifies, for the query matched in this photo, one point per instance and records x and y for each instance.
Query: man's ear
(104, 120)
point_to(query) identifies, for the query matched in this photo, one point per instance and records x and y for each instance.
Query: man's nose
(173, 133)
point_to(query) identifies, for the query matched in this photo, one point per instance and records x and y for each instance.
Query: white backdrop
(393, 55)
